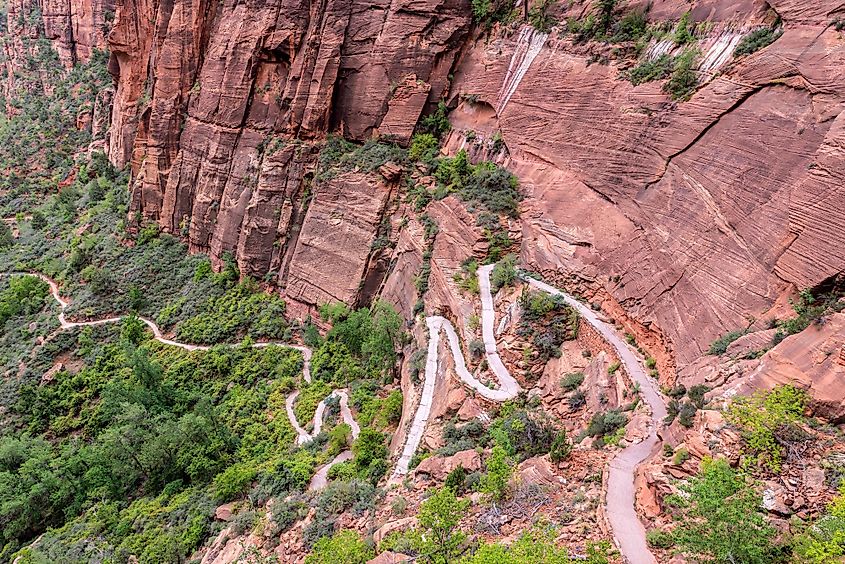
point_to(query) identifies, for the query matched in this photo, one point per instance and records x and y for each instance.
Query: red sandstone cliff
(684, 219)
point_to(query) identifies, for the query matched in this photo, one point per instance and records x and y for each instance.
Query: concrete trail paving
(320, 478)
(627, 528)
(620, 503)
(509, 387)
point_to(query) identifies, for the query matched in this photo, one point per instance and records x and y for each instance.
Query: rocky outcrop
(809, 360)
(681, 219)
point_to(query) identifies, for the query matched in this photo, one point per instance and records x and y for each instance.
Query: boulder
(438, 467)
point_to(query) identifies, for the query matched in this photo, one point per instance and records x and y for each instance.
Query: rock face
(220, 138)
(691, 216)
(682, 219)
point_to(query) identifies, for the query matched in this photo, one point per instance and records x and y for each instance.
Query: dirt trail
(319, 479)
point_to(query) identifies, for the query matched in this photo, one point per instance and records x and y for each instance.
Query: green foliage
(140, 418)
(23, 296)
(489, 12)
(6, 237)
(547, 321)
(310, 395)
(682, 83)
(504, 273)
(523, 433)
(339, 156)
(633, 26)
(571, 381)
(167, 528)
(370, 450)
(437, 123)
(824, 540)
(484, 185)
(424, 148)
(540, 16)
(756, 40)
(810, 309)
(720, 345)
(767, 421)
(683, 32)
(360, 342)
(606, 423)
(534, 546)
(499, 471)
(233, 481)
(242, 310)
(438, 540)
(720, 519)
(345, 547)
(649, 70)
(561, 447)
(604, 16)
(657, 538)
(466, 437)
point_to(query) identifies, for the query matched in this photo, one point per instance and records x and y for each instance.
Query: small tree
(768, 422)
(437, 538)
(345, 547)
(720, 520)
(561, 447)
(499, 471)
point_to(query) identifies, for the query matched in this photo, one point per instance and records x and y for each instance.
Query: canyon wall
(685, 219)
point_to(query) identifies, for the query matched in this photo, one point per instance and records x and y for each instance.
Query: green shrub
(25, 295)
(606, 423)
(488, 12)
(437, 123)
(768, 420)
(424, 147)
(720, 518)
(504, 273)
(657, 538)
(370, 453)
(485, 184)
(242, 310)
(233, 481)
(285, 513)
(577, 400)
(823, 541)
(683, 34)
(756, 40)
(344, 547)
(614, 367)
(523, 433)
(540, 15)
(561, 447)
(720, 345)
(680, 456)
(649, 70)
(571, 381)
(682, 83)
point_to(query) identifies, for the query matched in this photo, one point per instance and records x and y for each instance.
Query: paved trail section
(509, 387)
(620, 503)
(621, 493)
